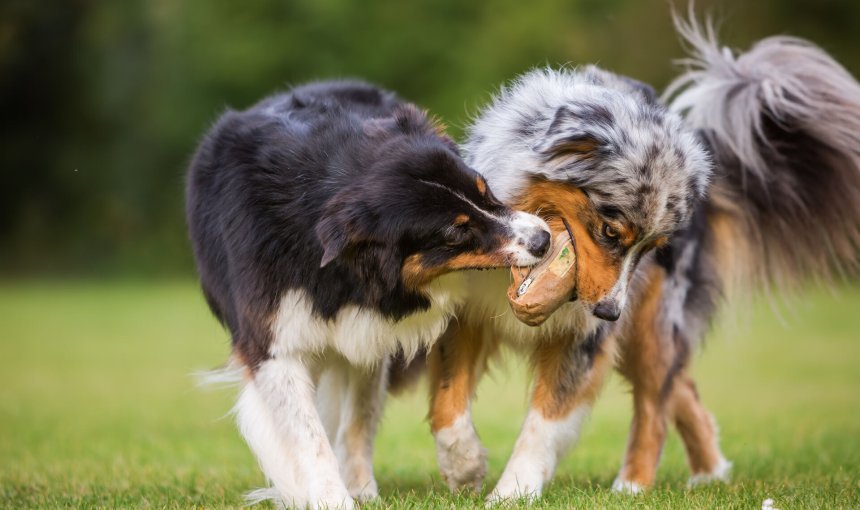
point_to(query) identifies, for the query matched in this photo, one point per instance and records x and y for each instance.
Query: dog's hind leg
(569, 376)
(654, 358)
(647, 356)
(652, 409)
(647, 430)
(360, 409)
(698, 430)
(278, 418)
(455, 363)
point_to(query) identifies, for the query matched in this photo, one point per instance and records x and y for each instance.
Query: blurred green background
(101, 323)
(103, 102)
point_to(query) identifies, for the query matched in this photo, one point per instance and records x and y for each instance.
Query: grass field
(97, 410)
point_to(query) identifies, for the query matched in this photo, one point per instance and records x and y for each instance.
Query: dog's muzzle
(607, 309)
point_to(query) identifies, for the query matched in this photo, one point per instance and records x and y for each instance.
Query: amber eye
(609, 232)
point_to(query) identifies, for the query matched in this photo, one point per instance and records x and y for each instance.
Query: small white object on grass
(768, 505)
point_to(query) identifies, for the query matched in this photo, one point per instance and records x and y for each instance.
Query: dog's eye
(609, 232)
(457, 234)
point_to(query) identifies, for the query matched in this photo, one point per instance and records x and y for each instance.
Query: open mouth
(539, 290)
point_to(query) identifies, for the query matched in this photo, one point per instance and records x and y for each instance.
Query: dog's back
(282, 153)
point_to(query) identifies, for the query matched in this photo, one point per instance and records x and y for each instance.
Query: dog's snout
(538, 243)
(530, 239)
(607, 309)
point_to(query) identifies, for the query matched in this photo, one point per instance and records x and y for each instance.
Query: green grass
(97, 410)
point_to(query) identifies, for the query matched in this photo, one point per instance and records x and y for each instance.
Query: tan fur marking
(647, 359)
(415, 274)
(454, 365)
(552, 363)
(695, 425)
(583, 149)
(645, 362)
(626, 234)
(482, 185)
(476, 261)
(598, 271)
(461, 219)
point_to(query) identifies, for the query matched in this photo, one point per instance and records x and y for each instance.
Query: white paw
(327, 501)
(507, 493)
(627, 487)
(332, 500)
(462, 458)
(363, 491)
(721, 473)
(523, 479)
(357, 475)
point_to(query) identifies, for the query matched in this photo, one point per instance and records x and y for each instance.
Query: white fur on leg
(541, 444)
(462, 458)
(720, 473)
(627, 487)
(256, 426)
(361, 408)
(331, 387)
(277, 417)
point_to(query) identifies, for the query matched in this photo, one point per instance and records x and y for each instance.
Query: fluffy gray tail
(783, 123)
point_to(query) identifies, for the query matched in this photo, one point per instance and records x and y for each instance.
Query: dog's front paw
(630, 487)
(509, 491)
(333, 503)
(329, 500)
(357, 474)
(363, 490)
(462, 458)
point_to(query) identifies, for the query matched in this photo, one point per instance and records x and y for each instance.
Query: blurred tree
(103, 102)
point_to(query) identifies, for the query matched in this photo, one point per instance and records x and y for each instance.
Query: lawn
(98, 410)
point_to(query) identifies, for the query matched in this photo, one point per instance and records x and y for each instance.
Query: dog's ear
(341, 226)
(572, 133)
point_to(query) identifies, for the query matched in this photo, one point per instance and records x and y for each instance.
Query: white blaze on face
(524, 227)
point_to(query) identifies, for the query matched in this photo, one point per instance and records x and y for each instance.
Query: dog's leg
(646, 439)
(648, 355)
(330, 390)
(654, 358)
(698, 431)
(568, 378)
(361, 408)
(455, 362)
(652, 409)
(278, 418)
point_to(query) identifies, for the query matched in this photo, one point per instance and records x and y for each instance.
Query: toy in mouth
(538, 291)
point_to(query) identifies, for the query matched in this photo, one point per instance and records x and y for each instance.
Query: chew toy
(537, 291)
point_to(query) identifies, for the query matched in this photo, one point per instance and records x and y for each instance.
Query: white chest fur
(363, 336)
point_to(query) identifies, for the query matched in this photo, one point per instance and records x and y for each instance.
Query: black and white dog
(327, 223)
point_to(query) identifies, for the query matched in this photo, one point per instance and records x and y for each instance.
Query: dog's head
(598, 152)
(419, 212)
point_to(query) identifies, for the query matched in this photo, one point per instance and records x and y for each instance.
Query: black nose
(539, 243)
(607, 310)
